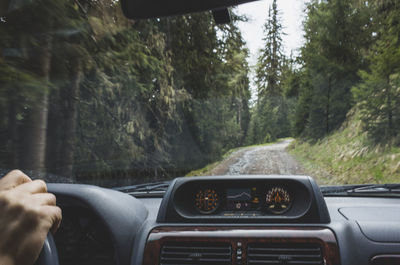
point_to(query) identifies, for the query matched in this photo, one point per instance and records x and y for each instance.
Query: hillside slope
(347, 157)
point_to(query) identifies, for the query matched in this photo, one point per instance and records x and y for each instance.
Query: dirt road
(268, 159)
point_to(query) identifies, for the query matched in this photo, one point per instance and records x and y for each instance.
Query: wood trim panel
(245, 235)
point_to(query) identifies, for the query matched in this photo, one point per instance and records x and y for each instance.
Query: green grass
(347, 157)
(202, 171)
(208, 168)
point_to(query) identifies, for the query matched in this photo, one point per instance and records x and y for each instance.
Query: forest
(96, 98)
(350, 61)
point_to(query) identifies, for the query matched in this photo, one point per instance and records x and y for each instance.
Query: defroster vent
(195, 253)
(301, 254)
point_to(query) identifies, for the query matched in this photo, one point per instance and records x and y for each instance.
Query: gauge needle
(277, 198)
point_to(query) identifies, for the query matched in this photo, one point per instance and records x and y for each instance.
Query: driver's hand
(27, 213)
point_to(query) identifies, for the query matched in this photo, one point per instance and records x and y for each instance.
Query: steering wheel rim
(48, 255)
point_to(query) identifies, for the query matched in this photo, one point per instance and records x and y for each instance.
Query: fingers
(44, 199)
(36, 186)
(19, 183)
(13, 179)
(55, 215)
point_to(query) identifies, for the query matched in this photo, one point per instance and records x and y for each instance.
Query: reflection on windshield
(89, 96)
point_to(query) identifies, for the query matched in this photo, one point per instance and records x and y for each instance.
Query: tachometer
(206, 201)
(278, 200)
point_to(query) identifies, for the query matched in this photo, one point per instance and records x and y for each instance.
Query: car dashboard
(228, 220)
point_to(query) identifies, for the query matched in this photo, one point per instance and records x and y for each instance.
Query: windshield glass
(297, 87)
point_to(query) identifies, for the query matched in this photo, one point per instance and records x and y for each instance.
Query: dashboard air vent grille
(303, 254)
(195, 253)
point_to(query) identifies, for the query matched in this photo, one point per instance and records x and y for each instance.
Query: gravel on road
(260, 160)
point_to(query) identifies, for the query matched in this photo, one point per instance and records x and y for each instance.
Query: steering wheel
(49, 255)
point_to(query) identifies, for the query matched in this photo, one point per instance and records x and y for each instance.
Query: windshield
(88, 96)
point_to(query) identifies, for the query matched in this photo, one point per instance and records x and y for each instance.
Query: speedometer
(206, 201)
(278, 200)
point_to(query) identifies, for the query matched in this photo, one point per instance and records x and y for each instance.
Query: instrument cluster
(251, 200)
(244, 199)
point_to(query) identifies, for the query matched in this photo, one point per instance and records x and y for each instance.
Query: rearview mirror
(137, 9)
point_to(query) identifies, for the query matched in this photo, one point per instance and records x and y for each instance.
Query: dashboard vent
(305, 254)
(195, 253)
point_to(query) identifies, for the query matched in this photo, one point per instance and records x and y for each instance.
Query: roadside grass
(204, 171)
(347, 157)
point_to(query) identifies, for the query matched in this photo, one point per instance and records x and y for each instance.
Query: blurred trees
(88, 94)
(214, 71)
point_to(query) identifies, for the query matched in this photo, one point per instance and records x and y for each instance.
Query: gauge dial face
(206, 201)
(278, 200)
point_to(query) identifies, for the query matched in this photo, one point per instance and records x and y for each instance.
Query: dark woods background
(96, 98)
(88, 94)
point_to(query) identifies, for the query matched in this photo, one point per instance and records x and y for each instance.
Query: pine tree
(115, 97)
(378, 94)
(271, 112)
(335, 39)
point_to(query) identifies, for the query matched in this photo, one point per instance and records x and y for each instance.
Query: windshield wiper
(155, 189)
(362, 190)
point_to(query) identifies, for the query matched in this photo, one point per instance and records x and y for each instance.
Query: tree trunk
(71, 97)
(54, 132)
(327, 105)
(389, 108)
(34, 134)
(12, 131)
(239, 112)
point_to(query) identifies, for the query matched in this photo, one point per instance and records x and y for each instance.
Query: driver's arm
(27, 213)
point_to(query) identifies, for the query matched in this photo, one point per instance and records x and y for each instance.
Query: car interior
(225, 220)
(222, 220)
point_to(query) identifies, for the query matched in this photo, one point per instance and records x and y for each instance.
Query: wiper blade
(377, 188)
(155, 189)
(360, 190)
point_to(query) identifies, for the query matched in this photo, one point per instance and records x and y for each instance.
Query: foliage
(107, 100)
(270, 115)
(347, 156)
(378, 93)
(336, 35)
(88, 94)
